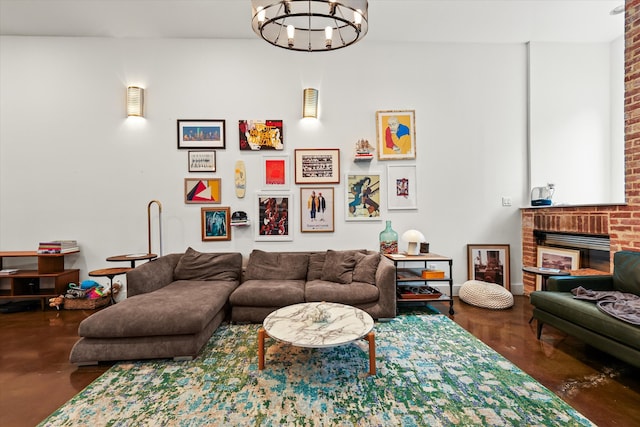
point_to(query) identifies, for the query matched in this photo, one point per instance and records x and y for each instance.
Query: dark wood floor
(36, 377)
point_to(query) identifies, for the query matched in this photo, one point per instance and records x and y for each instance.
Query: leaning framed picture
(317, 166)
(363, 197)
(202, 161)
(402, 190)
(396, 130)
(316, 210)
(201, 190)
(215, 223)
(275, 172)
(274, 212)
(489, 263)
(201, 134)
(557, 258)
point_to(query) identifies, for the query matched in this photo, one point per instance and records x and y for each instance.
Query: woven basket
(85, 304)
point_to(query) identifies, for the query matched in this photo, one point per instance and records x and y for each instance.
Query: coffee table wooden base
(370, 337)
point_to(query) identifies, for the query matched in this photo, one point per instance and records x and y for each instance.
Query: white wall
(73, 167)
(577, 128)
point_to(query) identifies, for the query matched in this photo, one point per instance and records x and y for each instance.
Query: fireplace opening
(594, 249)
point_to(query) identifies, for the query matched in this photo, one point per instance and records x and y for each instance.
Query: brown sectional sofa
(176, 302)
(273, 280)
(173, 306)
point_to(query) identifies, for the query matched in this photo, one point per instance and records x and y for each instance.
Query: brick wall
(621, 223)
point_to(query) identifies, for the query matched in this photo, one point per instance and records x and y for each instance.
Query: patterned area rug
(431, 372)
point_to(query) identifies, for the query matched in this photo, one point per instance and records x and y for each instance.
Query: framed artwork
(199, 190)
(215, 223)
(396, 130)
(363, 197)
(260, 135)
(489, 263)
(201, 134)
(202, 161)
(274, 213)
(316, 209)
(558, 258)
(402, 190)
(319, 166)
(275, 172)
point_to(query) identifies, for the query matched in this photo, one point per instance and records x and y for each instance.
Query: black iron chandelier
(310, 25)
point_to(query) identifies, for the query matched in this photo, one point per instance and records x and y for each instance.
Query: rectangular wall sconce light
(310, 103)
(135, 101)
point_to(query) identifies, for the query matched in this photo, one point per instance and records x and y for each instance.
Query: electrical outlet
(506, 201)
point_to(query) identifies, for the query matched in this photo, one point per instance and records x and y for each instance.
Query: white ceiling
(482, 21)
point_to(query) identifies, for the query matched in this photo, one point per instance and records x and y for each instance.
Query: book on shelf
(8, 271)
(58, 247)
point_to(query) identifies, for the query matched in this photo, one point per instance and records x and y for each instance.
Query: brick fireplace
(620, 222)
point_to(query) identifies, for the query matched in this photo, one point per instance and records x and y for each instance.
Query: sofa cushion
(587, 315)
(182, 307)
(316, 262)
(366, 267)
(626, 272)
(196, 265)
(350, 294)
(268, 293)
(338, 266)
(277, 265)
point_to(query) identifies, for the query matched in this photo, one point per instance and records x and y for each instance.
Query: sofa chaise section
(174, 305)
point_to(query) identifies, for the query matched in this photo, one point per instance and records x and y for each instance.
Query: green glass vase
(388, 240)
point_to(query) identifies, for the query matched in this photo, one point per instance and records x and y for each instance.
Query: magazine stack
(58, 247)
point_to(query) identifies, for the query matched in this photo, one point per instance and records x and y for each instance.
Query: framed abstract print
(215, 223)
(402, 190)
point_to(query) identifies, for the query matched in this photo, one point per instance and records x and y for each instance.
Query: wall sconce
(414, 237)
(135, 101)
(310, 103)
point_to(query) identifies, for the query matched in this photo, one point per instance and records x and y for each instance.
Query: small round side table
(132, 258)
(110, 273)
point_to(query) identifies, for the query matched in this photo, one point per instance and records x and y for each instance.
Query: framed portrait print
(202, 161)
(319, 166)
(396, 130)
(275, 172)
(200, 190)
(363, 197)
(316, 209)
(215, 223)
(274, 212)
(489, 263)
(402, 190)
(556, 258)
(258, 135)
(201, 134)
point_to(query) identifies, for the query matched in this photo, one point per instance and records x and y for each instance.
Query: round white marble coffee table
(317, 325)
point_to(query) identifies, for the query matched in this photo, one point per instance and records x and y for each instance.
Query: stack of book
(58, 247)
(8, 271)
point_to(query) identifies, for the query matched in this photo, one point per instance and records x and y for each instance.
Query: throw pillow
(316, 263)
(194, 265)
(338, 266)
(366, 267)
(277, 265)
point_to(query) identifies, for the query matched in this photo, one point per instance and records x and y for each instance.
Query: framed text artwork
(316, 209)
(489, 263)
(319, 166)
(199, 190)
(274, 213)
(363, 197)
(402, 190)
(556, 258)
(215, 223)
(260, 135)
(202, 161)
(275, 172)
(396, 134)
(201, 134)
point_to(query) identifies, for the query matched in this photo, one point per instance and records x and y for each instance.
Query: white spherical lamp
(414, 238)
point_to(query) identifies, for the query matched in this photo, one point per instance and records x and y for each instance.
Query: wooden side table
(110, 273)
(132, 258)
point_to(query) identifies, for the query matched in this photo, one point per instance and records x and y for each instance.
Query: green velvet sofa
(582, 319)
